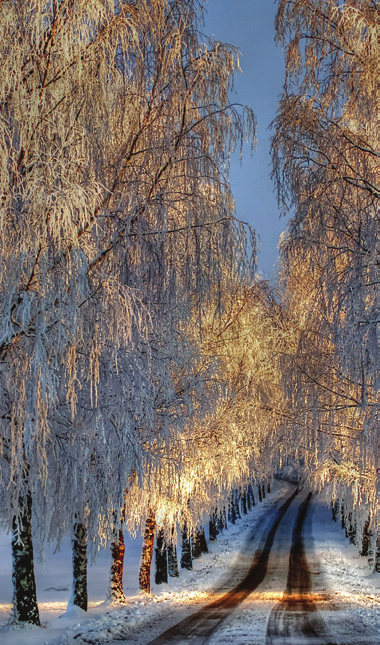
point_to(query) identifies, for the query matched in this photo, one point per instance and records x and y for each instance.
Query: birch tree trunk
(199, 543)
(365, 540)
(161, 575)
(203, 541)
(172, 561)
(222, 520)
(213, 530)
(147, 553)
(25, 608)
(244, 502)
(186, 559)
(351, 531)
(342, 517)
(251, 495)
(116, 591)
(237, 504)
(231, 509)
(79, 542)
(196, 548)
(377, 550)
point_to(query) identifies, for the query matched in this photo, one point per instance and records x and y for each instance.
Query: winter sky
(249, 25)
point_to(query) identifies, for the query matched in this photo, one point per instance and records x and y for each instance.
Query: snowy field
(345, 592)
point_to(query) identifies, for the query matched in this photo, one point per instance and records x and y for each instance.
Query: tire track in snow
(197, 628)
(295, 620)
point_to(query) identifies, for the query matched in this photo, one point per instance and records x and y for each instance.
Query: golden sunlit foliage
(115, 140)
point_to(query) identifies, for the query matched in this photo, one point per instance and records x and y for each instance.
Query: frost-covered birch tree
(325, 157)
(116, 130)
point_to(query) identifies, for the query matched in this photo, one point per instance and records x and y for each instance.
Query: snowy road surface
(295, 618)
(305, 584)
(200, 626)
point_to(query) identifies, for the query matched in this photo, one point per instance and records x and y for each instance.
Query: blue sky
(249, 25)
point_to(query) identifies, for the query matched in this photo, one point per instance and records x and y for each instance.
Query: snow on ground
(350, 592)
(345, 592)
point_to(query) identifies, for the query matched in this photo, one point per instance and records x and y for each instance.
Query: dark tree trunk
(79, 543)
(371, 551)
(352, 535)
(343, 521)
(268, 487)
(248, 500)
(25, 608)
(172, 557)
(219, 522)
(244, 503)
(222, 520)
(232, 508)
(147, 553)
(213, 530)
(346, 525)
(202, 540)
(263, 489)
(224, 517)
(186, 560)
(237, 504)
(116, 592)
(365, 540)
(351, 529)
(250, 494)
(161, 575)
(196, 546)
(172, 560)
(260, 495)
(199, 543)
(377, 552)
(334, 511)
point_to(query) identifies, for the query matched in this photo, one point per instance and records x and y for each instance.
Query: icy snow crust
(343, 588)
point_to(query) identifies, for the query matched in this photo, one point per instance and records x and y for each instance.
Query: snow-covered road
(199, 627)
(306, 578)
(295, 619)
